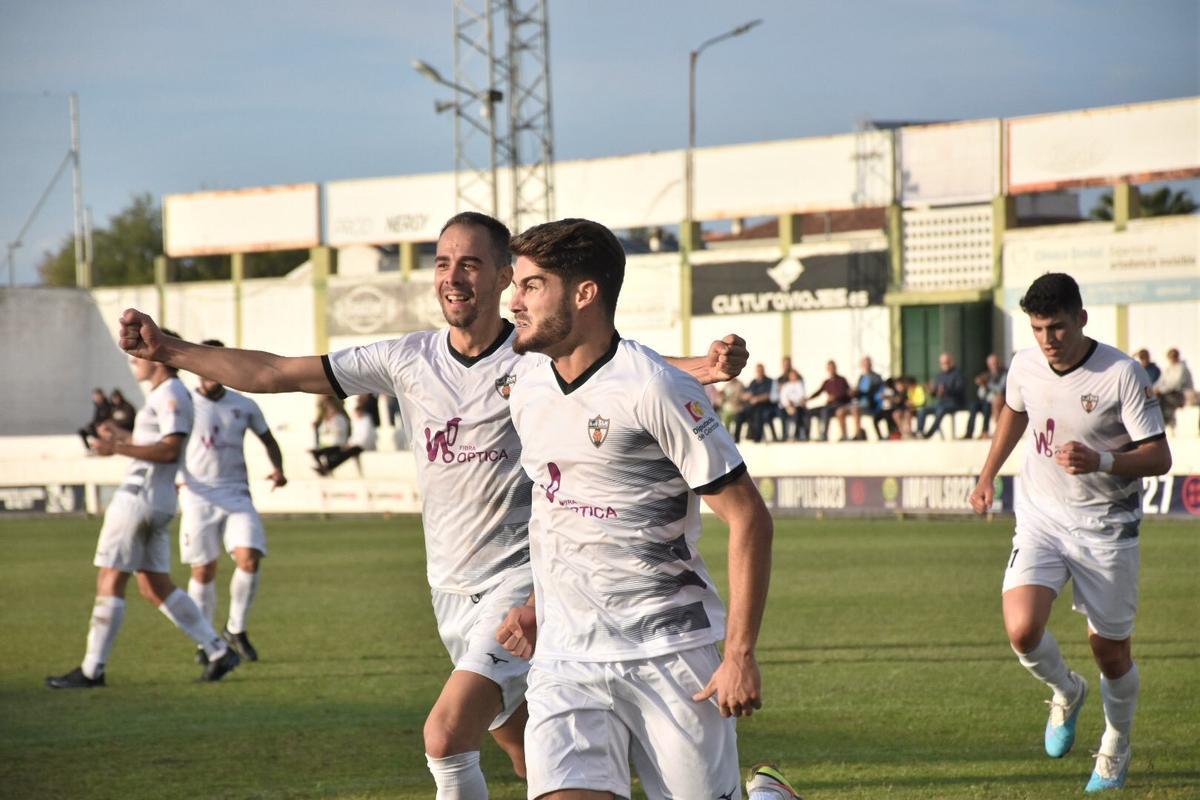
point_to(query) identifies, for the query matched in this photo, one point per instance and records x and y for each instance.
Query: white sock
(1120, 701)
(204, 595)
(107, 615)
(242, 588)
(181, 610)
(458, 777)
(1046, 664)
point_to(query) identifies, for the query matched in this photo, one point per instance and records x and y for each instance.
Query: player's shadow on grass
(1157, 780)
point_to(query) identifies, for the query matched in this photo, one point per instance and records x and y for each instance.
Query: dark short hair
(577, 249)
(213, 343)
(497, 231)
(1051, 294)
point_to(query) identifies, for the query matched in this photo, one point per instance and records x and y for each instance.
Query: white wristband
(1106, 462)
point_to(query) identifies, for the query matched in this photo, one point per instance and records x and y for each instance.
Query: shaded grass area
(885, 666)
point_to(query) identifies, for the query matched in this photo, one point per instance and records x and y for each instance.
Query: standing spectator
(1171, 385)
(101, 410)
(759, 408)
(914, 392)
(1143, 357)
(370, 403)
(865, 396)
(837, 398)
(949, 395)
(123, 411)
(793, 399)
(731, 404)
(989, 396)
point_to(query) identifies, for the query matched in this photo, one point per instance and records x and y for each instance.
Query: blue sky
(178, 97)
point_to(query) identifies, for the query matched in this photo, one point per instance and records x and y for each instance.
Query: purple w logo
(442, 441)
(1045, 441)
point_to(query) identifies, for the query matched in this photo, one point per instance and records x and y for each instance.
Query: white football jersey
(618, 458)
(455, 408)
(168, 411)
(1105, 403)
(216, 462)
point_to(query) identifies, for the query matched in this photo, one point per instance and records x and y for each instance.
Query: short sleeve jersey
(168, 411)
(455, 408)
(216, 462)
(1105, 403)
(617, 458)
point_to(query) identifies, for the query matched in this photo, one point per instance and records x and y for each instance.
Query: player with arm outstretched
(218, 512)
(454, 386)
(621, 449)
(135, 535)
(1097, 431)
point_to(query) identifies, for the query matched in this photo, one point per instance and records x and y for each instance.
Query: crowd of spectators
(767, 409)
(112, 409)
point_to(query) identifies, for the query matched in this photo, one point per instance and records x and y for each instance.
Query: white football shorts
(468, 624)
(588, 719)
(211, 522)
(134, 537)
(1105, 577)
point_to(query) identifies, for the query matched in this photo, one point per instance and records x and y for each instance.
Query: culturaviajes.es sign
(841, 280)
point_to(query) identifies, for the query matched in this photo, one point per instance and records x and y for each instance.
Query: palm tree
(1159, 203)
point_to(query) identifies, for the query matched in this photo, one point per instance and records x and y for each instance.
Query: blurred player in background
(625, 620)
(1097, 431)
(218, 513)
(454, 385)
(135, 535)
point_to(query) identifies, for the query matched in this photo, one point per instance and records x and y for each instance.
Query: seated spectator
(989, 396)
(893, 399)
(865, 396)
(793, 399)
(1171, 386)
(948, 392)
(123, 411)
(1143, 358)
(731, 403)
(837, 399)
(362, 438)
(916, 400)
(758, 408)
(101, 410)
(332, 432)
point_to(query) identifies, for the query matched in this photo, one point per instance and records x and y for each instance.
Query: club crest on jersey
(1089, 402)
(597, 430)
(504, 385)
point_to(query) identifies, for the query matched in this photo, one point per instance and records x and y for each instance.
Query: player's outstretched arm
(737, 682)
(725, 360)
(1009, 429)
(247, 370)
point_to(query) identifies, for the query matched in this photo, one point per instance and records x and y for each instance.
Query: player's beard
(464, 315)
(549, 332)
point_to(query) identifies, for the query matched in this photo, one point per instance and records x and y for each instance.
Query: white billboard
(1138, 143)
(411, 208)
(952, 164)
(242, 220)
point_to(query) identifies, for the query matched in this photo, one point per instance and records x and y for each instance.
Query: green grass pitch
(886, 671)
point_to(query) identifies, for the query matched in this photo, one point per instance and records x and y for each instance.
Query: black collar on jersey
(1082, 361)
(506, 328)
(209, 397)
(567, 388)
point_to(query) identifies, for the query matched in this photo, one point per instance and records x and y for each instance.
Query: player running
(454, 386)
(1097, 430)
(626, 616)
(135, 536)
(217, 508)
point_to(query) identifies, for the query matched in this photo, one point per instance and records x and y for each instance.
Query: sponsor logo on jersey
(582, 509)
(597, 430)
(1044, 441)
(1089, 402)
(705, 424)
(694, 409)
(504, 385)
(443, 445)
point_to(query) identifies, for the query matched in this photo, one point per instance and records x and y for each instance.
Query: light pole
(488, 98)
(686, 241)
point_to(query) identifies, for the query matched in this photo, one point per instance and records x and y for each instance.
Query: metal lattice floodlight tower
(484, 75)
